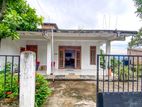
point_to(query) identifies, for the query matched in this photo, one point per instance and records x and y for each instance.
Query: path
(72, 94)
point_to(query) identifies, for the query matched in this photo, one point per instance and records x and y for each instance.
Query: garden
(9, 88)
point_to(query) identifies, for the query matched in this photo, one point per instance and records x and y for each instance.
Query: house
(138, 53)
(135, 51)
(62, 51)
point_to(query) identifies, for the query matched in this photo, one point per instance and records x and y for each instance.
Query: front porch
(74, 74)
(71, 72)
(80, 47)
(75, 43)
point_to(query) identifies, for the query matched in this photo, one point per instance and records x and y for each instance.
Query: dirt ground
(72, 94)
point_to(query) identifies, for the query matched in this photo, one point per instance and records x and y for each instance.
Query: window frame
(92, 61)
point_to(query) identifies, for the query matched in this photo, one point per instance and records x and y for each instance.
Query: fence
(119, 73)
(9, 76)
(119, 81)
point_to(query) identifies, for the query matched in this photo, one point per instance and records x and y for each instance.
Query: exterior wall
(9, 47)
(12, 47)
(85, 52)
(135, 52)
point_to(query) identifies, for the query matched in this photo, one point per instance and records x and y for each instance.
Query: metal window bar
(12, 71)
(118, 72)
(113, 74)
(5, 76)
(108, 71)
(133, 75)
(126, 79)
(103, 72)
(123, 74)
(8, 71)
(128, 71)
(98, 73)
(18, 74)
(141, 74)
(137, 72)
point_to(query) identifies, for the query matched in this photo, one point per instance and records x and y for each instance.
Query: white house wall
(85, 52)
(9, 47)
(12, 47)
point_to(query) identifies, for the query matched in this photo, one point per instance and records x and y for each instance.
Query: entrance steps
(71, 77)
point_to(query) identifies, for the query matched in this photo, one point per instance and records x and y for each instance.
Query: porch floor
(71, 74)
(71, 71)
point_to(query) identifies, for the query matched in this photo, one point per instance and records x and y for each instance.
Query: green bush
(8, 68)
(42, 90)
(11, 90)
(126, 72)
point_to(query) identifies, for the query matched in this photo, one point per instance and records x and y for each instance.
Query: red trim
(22, 49)
(33, 48)
(93, 50)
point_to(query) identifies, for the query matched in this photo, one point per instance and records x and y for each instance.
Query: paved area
(76, 72)
(72, 94)
(118, 86)
(71, 77)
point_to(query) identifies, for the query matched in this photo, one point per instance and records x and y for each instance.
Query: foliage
(138, 4)
(8, 91)
(102, 59)
(18, 16)
(42, 90)
(137, 40)
(124, 72)
(113, 61)
(8, 68)
(138, 70)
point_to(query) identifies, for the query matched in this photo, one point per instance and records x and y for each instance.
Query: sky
(91, 14)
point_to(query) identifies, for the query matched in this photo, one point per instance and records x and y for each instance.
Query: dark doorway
(69, 58)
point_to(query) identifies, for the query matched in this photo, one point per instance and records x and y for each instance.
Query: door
(70, 57)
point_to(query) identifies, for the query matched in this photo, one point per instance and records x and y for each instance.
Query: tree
(137, 40)
(17, 15)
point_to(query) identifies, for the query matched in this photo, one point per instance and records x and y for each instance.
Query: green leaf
(18, 16)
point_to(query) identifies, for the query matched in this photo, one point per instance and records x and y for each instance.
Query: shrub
(42, 90)
(10, 90)
(126, 72)
(8, 68)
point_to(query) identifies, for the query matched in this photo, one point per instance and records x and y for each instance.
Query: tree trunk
(3, 8)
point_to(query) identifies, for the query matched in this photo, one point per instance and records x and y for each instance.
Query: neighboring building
(68, 50)
(137, 52)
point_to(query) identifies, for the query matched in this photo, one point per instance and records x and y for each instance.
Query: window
(93, 55)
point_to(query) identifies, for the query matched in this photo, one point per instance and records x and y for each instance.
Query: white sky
(91, 14)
